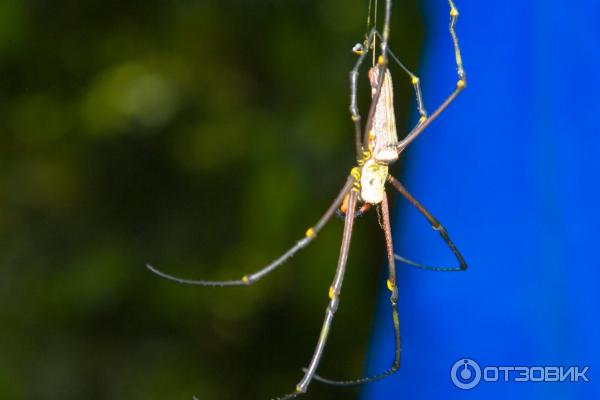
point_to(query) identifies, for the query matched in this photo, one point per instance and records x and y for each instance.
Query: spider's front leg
(362, 52)
(461, 84)
(311, 234)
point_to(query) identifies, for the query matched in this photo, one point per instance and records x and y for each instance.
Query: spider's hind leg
(334, 300)
(391, 285)
(436, 225)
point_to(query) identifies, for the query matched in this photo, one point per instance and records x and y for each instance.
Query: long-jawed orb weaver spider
(375, 151)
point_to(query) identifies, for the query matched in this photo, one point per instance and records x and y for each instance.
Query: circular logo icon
(465, 373)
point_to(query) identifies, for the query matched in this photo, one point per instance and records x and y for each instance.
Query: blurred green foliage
(203, 137)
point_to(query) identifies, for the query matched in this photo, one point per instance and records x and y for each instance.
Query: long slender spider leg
(459, 64)
(334, 296)
(382, 65)
(246, 280)
(415, 81)
(391, 285)
(386, 29)
(435, 224)
(461, 84)
(355, 114)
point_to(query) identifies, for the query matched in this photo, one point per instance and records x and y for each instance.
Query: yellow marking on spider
(331, 292)
(415, 80)
(310, 233)
(454, 12)
(422, 119)
(461, 84)
(355, 118)
(355, 172)
(371, 135)
(390, 285)
(245, 279)
(380, 60)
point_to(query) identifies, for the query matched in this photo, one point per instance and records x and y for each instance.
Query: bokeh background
(204, 137)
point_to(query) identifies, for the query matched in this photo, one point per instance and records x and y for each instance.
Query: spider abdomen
(383, 138)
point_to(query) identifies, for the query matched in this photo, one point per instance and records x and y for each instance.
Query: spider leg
(435, 224)
(391, 284)
(334, 296)
(362, 210)
(355, 114)
(414, 79)
(382, 64)
(249, 279)
(460, 85)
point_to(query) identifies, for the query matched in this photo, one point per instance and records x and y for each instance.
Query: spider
(375, 151)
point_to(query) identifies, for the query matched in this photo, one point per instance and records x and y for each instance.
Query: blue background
(511, 171)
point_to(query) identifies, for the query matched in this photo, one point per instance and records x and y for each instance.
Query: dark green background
(203, 137)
